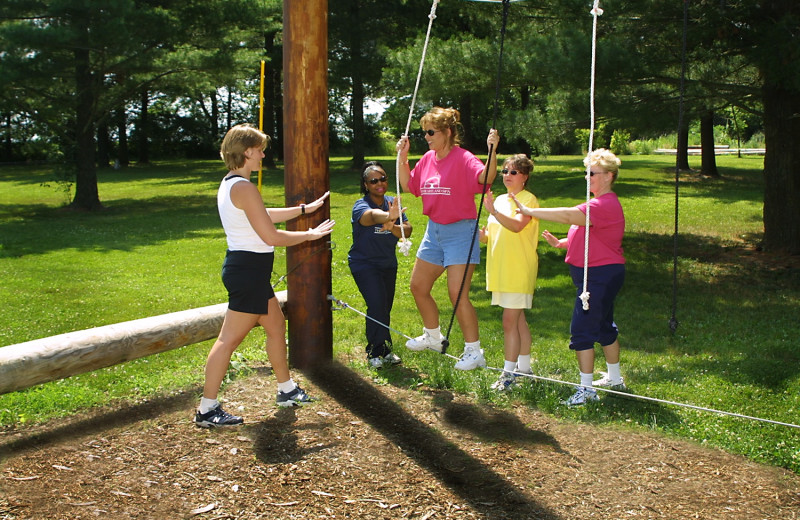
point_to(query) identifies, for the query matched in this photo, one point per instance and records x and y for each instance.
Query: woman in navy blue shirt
(377, 220)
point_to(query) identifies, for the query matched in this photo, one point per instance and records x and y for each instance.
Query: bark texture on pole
(306, 177)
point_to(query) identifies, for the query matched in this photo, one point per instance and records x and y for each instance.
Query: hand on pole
(324, 229)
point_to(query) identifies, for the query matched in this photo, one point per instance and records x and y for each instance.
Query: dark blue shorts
(246, 276)
(595, 325)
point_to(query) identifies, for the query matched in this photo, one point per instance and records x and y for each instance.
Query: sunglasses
(376, 180)
(430, 132)
(509, 172)
(592, 174)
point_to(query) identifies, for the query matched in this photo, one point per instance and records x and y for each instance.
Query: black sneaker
(297, 397)
(216, 417)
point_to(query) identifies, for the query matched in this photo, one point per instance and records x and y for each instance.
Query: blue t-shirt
(372, 246)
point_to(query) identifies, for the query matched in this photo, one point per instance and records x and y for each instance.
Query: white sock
(474, 345)
(287, 386)
(613, 372)
(206, 405)
(435, 333)
(524, 363)
(586, 379)
(509, 366)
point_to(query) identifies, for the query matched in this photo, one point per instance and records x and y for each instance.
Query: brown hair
(521, 163)
(442, 119)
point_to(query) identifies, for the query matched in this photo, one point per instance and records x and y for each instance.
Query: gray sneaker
(216, 417)
(297, 397)
(506, 381)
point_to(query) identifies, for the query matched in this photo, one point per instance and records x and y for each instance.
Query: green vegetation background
(158, 247)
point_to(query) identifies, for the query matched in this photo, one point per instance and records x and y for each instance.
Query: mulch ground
(370, 451)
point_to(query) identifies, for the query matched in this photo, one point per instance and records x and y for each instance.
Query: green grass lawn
(158, 247)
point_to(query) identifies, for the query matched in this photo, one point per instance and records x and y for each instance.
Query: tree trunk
(781, 169)
(86, 196)
(357, 100)
(682, 149)
(465, 110)
(525, 100)
(103, 146)
(709, 159)
(214, 116)
(123, 154)
(7, 141)
(144, 129)
(269, 100)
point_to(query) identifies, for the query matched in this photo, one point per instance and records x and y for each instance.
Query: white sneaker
(582, 396)
(606, 382)
(425, 341)
(471, 358)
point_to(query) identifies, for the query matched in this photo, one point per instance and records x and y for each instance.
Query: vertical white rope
(596, 11)
(405, 244)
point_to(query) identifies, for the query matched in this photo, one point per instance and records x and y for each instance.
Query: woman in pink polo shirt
(606, 271)
(447, 178)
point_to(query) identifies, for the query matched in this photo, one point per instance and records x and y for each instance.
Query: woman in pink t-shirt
(447, 178)
(606, 271)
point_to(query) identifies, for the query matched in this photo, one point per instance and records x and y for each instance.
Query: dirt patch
(368, 451)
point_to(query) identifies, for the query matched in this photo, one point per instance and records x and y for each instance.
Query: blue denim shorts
(449, 244)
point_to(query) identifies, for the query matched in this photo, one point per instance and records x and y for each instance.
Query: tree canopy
(78, 77)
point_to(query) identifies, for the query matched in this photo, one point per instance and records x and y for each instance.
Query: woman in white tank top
(251, 237)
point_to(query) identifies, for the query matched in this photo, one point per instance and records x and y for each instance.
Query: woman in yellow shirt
(512, 264)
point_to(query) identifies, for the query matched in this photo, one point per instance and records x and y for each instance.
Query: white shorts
(512, 300)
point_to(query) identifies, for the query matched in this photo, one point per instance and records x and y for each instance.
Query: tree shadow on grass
(473, 481)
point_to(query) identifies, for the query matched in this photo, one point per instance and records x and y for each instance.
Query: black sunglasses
(376, 180)
(592, 174)
(506, 172)
(430, 132)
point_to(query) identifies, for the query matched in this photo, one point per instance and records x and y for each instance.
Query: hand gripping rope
(405, 244)
(595, 12)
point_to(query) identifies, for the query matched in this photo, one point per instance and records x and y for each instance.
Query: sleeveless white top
(238, 231)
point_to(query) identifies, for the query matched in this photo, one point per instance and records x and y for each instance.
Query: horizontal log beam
(43, 360)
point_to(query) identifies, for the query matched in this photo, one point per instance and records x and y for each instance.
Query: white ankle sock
(287, 386)
(524, 363)
(475, 345)
(586, 379)
(206, 405)
(613, 372)
(435, 333)
(509, 366)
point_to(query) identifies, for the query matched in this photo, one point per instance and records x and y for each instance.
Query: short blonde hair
(605, 160)
(239, 139)
(442, 119)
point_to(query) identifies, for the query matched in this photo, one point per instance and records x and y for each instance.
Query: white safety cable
(344, 305)
(405, 244)
(596, 11)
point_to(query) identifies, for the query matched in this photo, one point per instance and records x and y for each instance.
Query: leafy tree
(71, 64)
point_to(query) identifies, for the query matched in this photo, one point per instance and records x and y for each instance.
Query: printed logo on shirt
(380, 231)
(431, 187)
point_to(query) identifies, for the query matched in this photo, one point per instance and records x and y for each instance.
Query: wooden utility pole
(306, 177)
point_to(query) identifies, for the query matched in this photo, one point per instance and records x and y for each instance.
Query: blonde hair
(239, 139)
(442, 119)
(605, 160)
